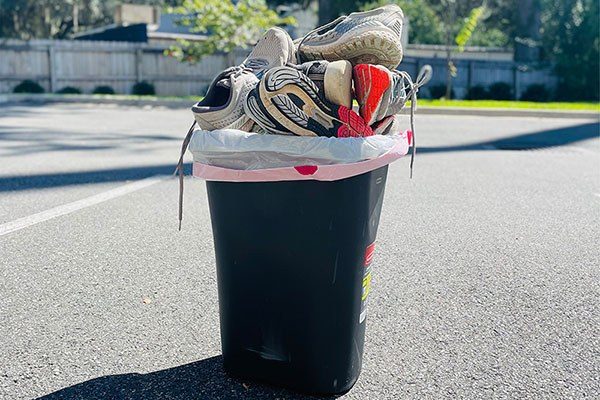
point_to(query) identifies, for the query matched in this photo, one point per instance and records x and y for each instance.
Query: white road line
(68, 208)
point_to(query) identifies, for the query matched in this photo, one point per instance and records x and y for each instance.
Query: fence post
(138, 64)
(470, 76)
(52, 67)
(516, 83)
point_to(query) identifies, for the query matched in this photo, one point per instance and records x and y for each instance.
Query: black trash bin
(293, 267)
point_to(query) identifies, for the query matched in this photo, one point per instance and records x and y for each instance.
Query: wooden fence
(55, 64)
(484, 73)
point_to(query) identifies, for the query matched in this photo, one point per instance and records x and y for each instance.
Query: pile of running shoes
(307, 87)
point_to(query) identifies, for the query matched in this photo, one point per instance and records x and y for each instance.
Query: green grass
(511, 104)
(526, 105)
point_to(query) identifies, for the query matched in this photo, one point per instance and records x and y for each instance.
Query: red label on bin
(369, 253)
(306, 169)
(366, 283)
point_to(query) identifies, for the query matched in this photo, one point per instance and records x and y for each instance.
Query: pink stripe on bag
(305, 172)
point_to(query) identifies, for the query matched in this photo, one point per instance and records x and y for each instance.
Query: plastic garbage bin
(293, 268)
(294, 245)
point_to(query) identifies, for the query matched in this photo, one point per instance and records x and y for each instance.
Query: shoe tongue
(224, 83)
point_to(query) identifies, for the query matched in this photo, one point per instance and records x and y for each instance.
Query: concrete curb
(93, 99)
(175, 103)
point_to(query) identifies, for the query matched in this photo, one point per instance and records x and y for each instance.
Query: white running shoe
(222, 107)
(370, 37)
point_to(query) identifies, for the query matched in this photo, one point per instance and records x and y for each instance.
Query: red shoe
(379, 91)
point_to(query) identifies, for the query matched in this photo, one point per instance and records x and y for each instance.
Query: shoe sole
(308, 115)
(371, 88)
(362, 45)
(256, 111)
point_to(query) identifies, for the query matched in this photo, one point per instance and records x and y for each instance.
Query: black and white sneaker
(287, 101)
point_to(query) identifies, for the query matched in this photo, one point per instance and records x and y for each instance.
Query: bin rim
(331, 172)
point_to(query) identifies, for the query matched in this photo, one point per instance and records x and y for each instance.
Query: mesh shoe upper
(274, 49)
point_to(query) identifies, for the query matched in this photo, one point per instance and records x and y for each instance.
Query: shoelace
(179, 170)
(236, 72)
(423, 77)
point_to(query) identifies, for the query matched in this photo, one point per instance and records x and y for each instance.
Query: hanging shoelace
(235, 72)
(423, 77)
(179, 169)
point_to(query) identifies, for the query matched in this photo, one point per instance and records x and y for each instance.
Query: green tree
(570, 36)
(58, 19)
(227, 26)
(425, 24)
(462, 38)
(331, 9)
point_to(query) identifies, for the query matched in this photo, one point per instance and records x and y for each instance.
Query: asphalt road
(486, 279)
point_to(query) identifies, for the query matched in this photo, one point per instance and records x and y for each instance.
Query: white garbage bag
(238, 150)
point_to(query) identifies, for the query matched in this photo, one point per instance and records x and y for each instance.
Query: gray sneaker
(222, 107)
(370, 37)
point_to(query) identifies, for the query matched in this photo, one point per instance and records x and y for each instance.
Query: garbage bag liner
(238, 150)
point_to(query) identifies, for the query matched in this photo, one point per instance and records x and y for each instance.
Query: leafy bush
(103, 90)
(438, 91)
(143, 89)
(536, 92)
(69, 90)
(28, 86)
(500, 91)
(478, 92)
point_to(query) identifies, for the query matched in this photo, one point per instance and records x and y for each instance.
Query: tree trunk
(449, 65)
(449, 21)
